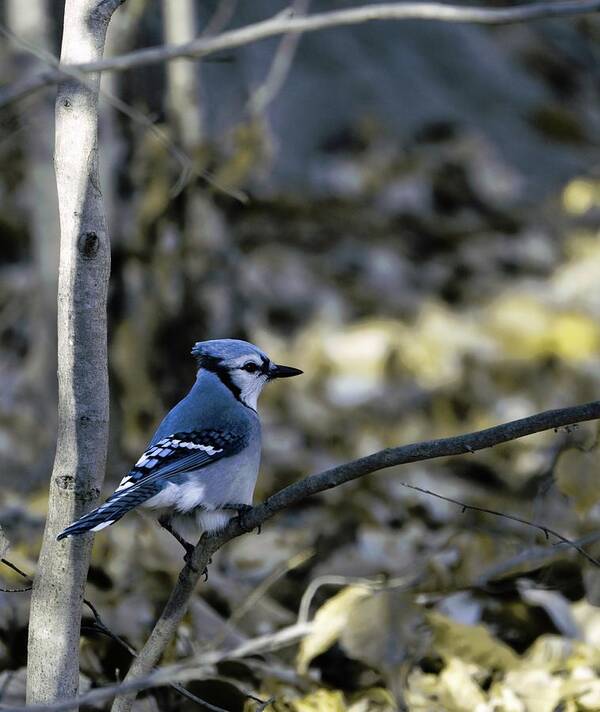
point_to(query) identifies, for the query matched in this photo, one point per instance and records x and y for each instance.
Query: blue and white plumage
(202, 462)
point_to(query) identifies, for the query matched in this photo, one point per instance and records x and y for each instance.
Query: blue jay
(202, 462)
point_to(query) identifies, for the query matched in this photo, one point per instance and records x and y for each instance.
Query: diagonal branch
(285, 23)
(176, 606)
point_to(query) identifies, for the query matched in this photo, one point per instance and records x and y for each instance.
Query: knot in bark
(68, 483)
(89, 244)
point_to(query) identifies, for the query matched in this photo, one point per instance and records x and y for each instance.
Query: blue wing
(171, 456)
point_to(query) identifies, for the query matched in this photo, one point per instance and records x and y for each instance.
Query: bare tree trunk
(203, 224)
(182, 87)
(54, 626)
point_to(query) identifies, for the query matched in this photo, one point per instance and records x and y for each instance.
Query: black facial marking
(214, 364)
(226, 380)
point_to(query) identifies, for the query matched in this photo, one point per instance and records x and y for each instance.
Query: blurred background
(409, 212)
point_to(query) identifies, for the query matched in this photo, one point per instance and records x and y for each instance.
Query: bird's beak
(283, 372)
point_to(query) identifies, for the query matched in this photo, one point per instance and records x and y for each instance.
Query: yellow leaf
(461, 693)
(550, 652)
(581, 195)
(503, 699)
(526, 328)
(422, 691)
(329, 623)
(375, 699)
(589, 698)
(539, 691)
(453, 690)
(470, 643)
(587, 617)
(320, 701)
(385, 629)
(574, 337)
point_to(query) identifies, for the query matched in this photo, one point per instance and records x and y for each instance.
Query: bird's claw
(241, 510)
(189, 561)
(189, 557)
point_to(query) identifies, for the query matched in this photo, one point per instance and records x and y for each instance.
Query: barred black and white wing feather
(162, 463)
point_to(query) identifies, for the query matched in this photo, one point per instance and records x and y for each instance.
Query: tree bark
(55, 619)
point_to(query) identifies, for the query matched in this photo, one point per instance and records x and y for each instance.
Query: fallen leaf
(470, 643)
(329, 623)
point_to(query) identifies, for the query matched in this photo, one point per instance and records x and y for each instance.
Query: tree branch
(284, 23)
(176, 606)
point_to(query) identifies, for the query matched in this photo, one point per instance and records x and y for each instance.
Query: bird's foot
(241, 510)
(189, 557)
(189, 560)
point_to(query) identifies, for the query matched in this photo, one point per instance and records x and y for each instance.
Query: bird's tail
(111, 511)
(93, 521)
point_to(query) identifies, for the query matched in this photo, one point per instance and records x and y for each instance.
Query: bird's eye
(250, 367)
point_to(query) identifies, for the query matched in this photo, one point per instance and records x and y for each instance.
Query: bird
(203, 460)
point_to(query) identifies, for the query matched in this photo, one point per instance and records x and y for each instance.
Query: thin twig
(101, 626)
(287, 675)
(547, 531)
(252, 599)
(21, 573)
(533, 556)
(280, 66)
(381, 583)
(282, 24)
(16, 590)
(220, 18)
(15, 568)
(184, 692)
(263, 705)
